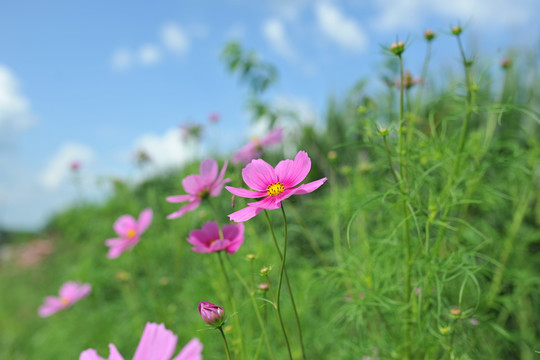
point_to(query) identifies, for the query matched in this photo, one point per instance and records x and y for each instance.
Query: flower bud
(456, 30)
(397, 48)
(384, 131)
(264, 287)
(213, 315)
(250, 257)
(265, 270)
(506, 63)
(429, 35)
(455, 312)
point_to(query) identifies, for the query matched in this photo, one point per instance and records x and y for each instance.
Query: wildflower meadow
(406, 225)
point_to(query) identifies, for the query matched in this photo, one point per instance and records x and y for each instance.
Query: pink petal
(203, 237)
(258, 174)
(117, 248)
(145, 219)
(124, 224)
(268, 203)
(51, 306)
(188, 207)
(309, 187)
(245, 193)
(69, 289)
(157, 343)
(222, 173)
(209, 170)
(273, 137)
(90, 354)
(235, 233)
(179, 198)
(113, 353)
(247, 153)
(192, 351)
(83, 291)
(244, 214)
(291, 173)
(193, 184)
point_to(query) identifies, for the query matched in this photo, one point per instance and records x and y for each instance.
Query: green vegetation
(423, 243)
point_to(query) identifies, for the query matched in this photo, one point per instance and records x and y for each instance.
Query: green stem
(225, 342)
(233, 303)
(254, 303)
(282, 257)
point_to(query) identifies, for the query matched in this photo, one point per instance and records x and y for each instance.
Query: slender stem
(278, 307)
(293, 303)
(389, 158)
(259, 318)
(233, 303)
(225, 342)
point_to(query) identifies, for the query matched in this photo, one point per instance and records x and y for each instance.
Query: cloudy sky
(95, 81)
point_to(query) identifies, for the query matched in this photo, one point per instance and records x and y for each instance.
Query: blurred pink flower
(70, 292)
(199, 187)
(129, 231)
(34, 252)
(75, 166)
(273, 185)
(209, 239)
(214, 117)
(157, 343)
(255, 147)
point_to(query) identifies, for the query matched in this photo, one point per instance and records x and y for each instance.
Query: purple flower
(209, 239)
(273, 185)
(199, 187)
(255, 147)
(157, 343)
(70, 292)
(129, 231)
(213, 315)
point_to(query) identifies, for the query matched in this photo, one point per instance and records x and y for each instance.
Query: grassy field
(424, 243)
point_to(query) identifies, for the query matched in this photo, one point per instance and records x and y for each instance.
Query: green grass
(466, 204)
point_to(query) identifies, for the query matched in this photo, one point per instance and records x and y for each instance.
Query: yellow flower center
(64, 301)
(131, 233)
(275, 189)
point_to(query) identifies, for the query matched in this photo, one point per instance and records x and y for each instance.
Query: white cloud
(274, 32)
(121, 59)
(149, 54)
(174, 38)
(407, 14)
(58, 167)
(340, 28)
(167, 150)
(14, 107)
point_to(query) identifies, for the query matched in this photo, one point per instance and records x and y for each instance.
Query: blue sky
(95, 81)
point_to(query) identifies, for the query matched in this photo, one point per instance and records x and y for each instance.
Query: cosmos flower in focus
(70, 292)
(199, 187)
(130, 231)
(273, 185)
(157, 343)
(255, 147)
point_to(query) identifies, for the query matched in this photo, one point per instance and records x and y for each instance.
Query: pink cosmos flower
(75, 166)
(209, 240)
(273, 185)
(214, 117)
(130, 231)
(70, 292)
(199, 187)
(157, 343)
(254, 148)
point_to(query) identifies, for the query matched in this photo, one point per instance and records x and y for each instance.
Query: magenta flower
(130, 231)
(213, 315)
(209, 240)
(157, 343)
(70, 292)
(273, 185)
(255, 147)
(199, 187)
